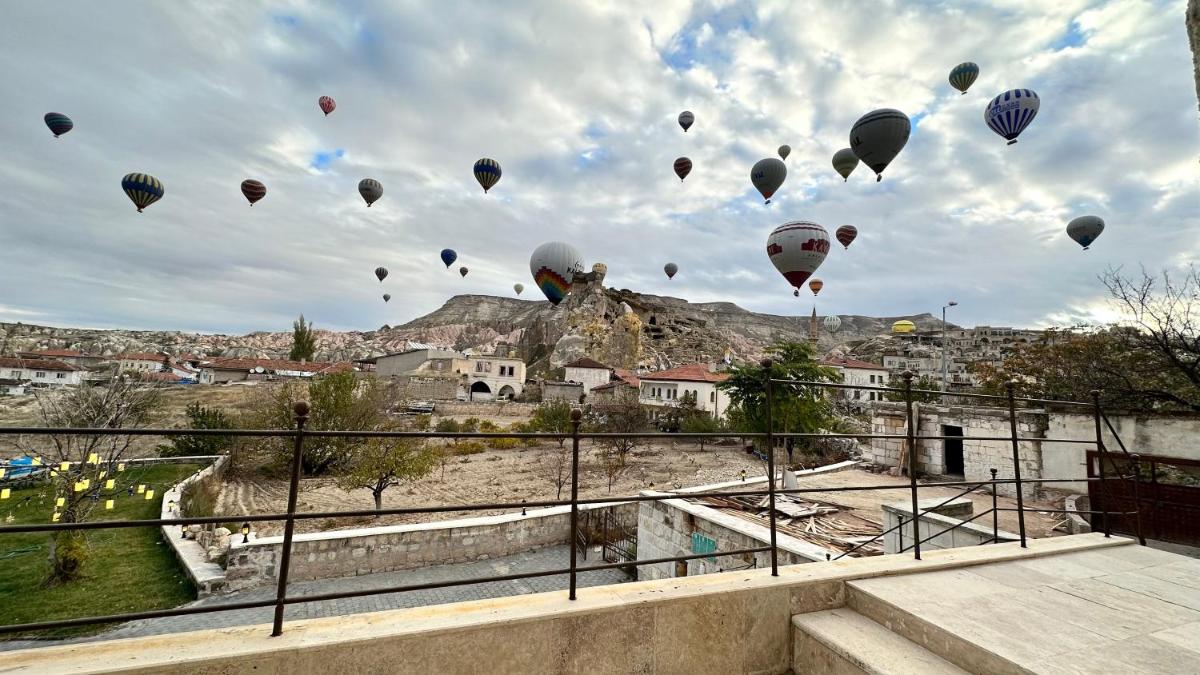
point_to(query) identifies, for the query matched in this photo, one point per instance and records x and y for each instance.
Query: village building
(480, 377)
(139, 362)
(588, 372)
(18, 375)
(666, 388)
(71, 356)
(220, 371)
(855, 372)
(622, 388)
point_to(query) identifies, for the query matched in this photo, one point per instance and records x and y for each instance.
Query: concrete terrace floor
(555, 557)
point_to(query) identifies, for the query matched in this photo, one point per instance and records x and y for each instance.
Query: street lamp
(945, 367)
(245, 533)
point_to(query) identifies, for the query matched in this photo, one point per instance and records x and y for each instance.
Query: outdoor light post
(945, 365)
(245, 533)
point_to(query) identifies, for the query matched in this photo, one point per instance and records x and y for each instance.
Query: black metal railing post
(1135, 461)
(576, 417)
(912, 467)
(1101, 455)
(995, 512)
(300, 409)
(770, 400)
(1016, 455)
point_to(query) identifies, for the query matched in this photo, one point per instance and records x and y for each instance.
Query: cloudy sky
(578, 102)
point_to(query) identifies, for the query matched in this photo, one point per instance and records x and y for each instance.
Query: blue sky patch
(323, 158)
(1074, 37)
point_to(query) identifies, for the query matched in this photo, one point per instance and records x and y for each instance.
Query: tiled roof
(53, 353)
(586, 362)
(159, 376)
(139, 356)
(626, 376)
(695, 372)
(852, 363)
(35, 364)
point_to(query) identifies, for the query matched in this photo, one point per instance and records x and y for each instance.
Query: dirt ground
(492, 476)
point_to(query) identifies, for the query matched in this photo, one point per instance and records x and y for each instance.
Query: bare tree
(83, 464)
(613, 464)
(556, 467)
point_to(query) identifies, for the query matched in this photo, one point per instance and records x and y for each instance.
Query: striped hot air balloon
(381, 273)
(253, 190)
(963, 76)
(671, 269)
(686, 119)
(1009, 113)
(846, 235)
(784, 151)
(487, 172)
(832, 323)
(554, 266)
(683, 166)
(371, 190)
(59, 123)
(327, 105)
(143, 189)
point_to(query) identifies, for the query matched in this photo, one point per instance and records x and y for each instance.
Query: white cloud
(578, 103)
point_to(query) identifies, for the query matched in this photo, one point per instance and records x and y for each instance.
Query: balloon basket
(1012, 141)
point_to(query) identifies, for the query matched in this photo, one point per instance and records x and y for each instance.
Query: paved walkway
(545, 559)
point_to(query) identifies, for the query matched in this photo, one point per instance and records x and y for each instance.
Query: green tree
(304, 340)
(200, 417)
(90, 459)
(619, 417)
(701, 423)
(380, 463)
(552, 417)
(924, 382)
(796, 408)
(339, 402)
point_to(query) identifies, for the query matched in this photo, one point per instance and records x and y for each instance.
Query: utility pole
(945, 365)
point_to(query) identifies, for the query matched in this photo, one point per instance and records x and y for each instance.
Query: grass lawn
(129, 569)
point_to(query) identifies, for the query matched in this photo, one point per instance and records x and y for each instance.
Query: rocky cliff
(618, 327)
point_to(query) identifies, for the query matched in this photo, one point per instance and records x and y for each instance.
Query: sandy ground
(491, 476)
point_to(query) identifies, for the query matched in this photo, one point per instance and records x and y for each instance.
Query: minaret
(812, 328)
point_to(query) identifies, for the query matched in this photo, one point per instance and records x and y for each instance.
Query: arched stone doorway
(480, 391)
(506, 392)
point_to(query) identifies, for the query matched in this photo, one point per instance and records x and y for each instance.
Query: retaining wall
(483, 408)
(207, 576)
(944, 526)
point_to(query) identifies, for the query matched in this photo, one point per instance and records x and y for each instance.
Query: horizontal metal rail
(904, 522)
(927, 392)
(952, 527)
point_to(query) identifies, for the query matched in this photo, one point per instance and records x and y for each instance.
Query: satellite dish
(259, 369)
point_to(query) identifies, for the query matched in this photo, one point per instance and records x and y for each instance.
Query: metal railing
(769, 438)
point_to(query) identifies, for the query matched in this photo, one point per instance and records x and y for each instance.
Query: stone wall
(348, 553)
(944, 527)
(979, 455)
(665, 529)
(483, 409)
(417, 388)
(562, 391)
(205, 573)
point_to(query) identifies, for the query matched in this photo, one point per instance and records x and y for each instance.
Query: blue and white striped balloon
(1009, 113)
(487, 172)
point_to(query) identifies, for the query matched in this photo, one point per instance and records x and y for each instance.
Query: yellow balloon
(904, 326)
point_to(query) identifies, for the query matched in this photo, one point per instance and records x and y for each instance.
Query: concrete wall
(562, 391)
(348, 553)
(944, 527)
(419, 388)
(1169, 435)
(588, 377)
(665, 529)
(484, 408)
(726, 624)
(207, 576)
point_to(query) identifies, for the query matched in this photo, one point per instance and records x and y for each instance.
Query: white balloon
(797, 249)
(553, 266)
(832, 323)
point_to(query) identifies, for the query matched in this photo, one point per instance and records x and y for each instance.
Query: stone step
(957, 649)
(844, 641)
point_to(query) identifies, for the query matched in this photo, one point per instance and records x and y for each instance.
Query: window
(712, 397)
(39, 374)
(872, 379)
(60, 376)
(14, 373)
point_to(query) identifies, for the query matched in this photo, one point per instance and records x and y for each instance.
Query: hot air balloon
(143, 189)
(553, 266)
(846, 235)
(387, 296)
(381, 273)
(327, 105)
(487, 172)
(518, 288)
(815, 285)
(59, 123)
(253, 190)
(767, 175)
(844, 162)
(448, 257)
(832, 323)
(784, 151)
(686, 118)
(1085, 229)
(1009, 113)
(683, 166)
(963, 76)
(371, 190)
(462, 271)
(797, 249)
(670, 269)
(877, 137)
(904, 326)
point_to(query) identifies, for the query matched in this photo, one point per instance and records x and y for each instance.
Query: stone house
(667, 387)
(622, 388)
(220, 371)
(588, 372)
(855, 372)
(71, 356)
(481, 377)
(17, 375)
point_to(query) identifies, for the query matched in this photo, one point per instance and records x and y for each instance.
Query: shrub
(503, 443)
(200, 417)
(488, 425)
(468, 448)
(448, 426)
(469, 425)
